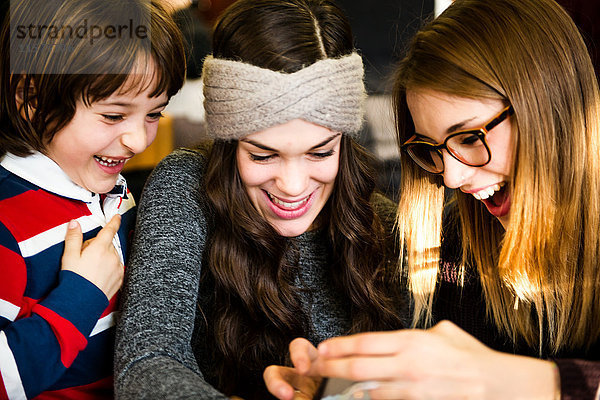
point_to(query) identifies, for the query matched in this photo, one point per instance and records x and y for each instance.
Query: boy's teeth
(282, 203)
(107, 162)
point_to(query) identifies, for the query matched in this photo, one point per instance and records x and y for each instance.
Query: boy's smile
(94, 146)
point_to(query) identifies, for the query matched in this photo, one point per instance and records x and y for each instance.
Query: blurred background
(382, 29)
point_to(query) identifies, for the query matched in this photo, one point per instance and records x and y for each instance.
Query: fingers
(375, 355)
(278, 381)
(364, 368)
(303, 355)
(286, 383)
(73, 243)
(373, 343)
(109, 231)
(97, 260)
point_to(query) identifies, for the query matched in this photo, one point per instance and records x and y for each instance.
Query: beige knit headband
(240, 98)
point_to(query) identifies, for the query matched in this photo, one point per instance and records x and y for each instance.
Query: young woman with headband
(271, 232)
(498, 100)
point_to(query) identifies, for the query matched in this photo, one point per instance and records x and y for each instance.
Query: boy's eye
(113, 117)
(155, 116)
(256, 157)
(324, 154)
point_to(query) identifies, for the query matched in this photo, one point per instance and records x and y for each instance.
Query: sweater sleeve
(40, 339)
(154, 357)
(579, 379)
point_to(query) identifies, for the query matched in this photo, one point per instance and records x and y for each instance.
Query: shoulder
(12, 186)
(174, 189)
(180, 171)
(182, 162)
(28, 211)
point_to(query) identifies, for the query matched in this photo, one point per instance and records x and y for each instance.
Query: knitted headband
(241, 98)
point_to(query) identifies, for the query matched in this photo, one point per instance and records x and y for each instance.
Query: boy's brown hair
(78, 51)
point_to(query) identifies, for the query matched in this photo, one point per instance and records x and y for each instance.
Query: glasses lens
(469, 148)
(427, 157)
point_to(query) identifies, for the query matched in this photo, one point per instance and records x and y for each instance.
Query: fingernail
(322, 348)
(72, 224)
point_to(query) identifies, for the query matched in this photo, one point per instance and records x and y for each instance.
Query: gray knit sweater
(160, 353)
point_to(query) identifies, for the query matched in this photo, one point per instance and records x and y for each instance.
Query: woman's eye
(112, 117)
(324, 154)
(256, 157)
(468, 140)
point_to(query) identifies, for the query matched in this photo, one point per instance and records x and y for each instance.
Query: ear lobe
(26, 98)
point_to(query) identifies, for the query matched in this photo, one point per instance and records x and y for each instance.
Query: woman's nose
(292, 179)
(455, 172)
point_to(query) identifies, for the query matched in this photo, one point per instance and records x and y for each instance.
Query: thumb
(73, 242)
(107, 233)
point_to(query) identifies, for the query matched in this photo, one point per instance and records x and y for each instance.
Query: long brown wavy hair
(257, 307)
(541, 277)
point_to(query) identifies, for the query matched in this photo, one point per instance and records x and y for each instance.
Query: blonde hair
(541, 275)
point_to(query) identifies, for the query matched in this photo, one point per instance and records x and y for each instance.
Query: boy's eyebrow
(162, 104)
(123, 104)
(267, 148)
(114, 103)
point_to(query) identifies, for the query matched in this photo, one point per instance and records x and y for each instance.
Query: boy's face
(94, 146)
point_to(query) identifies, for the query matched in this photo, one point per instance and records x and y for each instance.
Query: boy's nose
(135, 139)
(455, 173)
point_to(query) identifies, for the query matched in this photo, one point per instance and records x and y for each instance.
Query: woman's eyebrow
(267, 148)
(324, 142)
(260, 146)
(459, 125)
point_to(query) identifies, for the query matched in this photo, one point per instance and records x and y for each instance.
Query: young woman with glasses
(496, 99)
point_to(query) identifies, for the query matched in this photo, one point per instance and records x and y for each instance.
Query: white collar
(45, 173)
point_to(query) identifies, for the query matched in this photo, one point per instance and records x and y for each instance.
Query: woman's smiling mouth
(289, 206)
(286, 209)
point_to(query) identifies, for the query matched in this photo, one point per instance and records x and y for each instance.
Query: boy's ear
(26, 111)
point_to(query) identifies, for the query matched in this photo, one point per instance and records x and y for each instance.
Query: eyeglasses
(468, 146)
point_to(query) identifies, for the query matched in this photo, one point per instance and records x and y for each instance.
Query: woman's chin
(290, 228)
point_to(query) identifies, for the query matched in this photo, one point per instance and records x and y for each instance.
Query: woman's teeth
(108, 162)
(285, 204)
(488, 192)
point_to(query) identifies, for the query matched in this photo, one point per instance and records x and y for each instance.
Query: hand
(300, 382)
(96, 260)
(443, 362)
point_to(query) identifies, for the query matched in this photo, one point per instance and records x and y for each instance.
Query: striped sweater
(56, 328)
